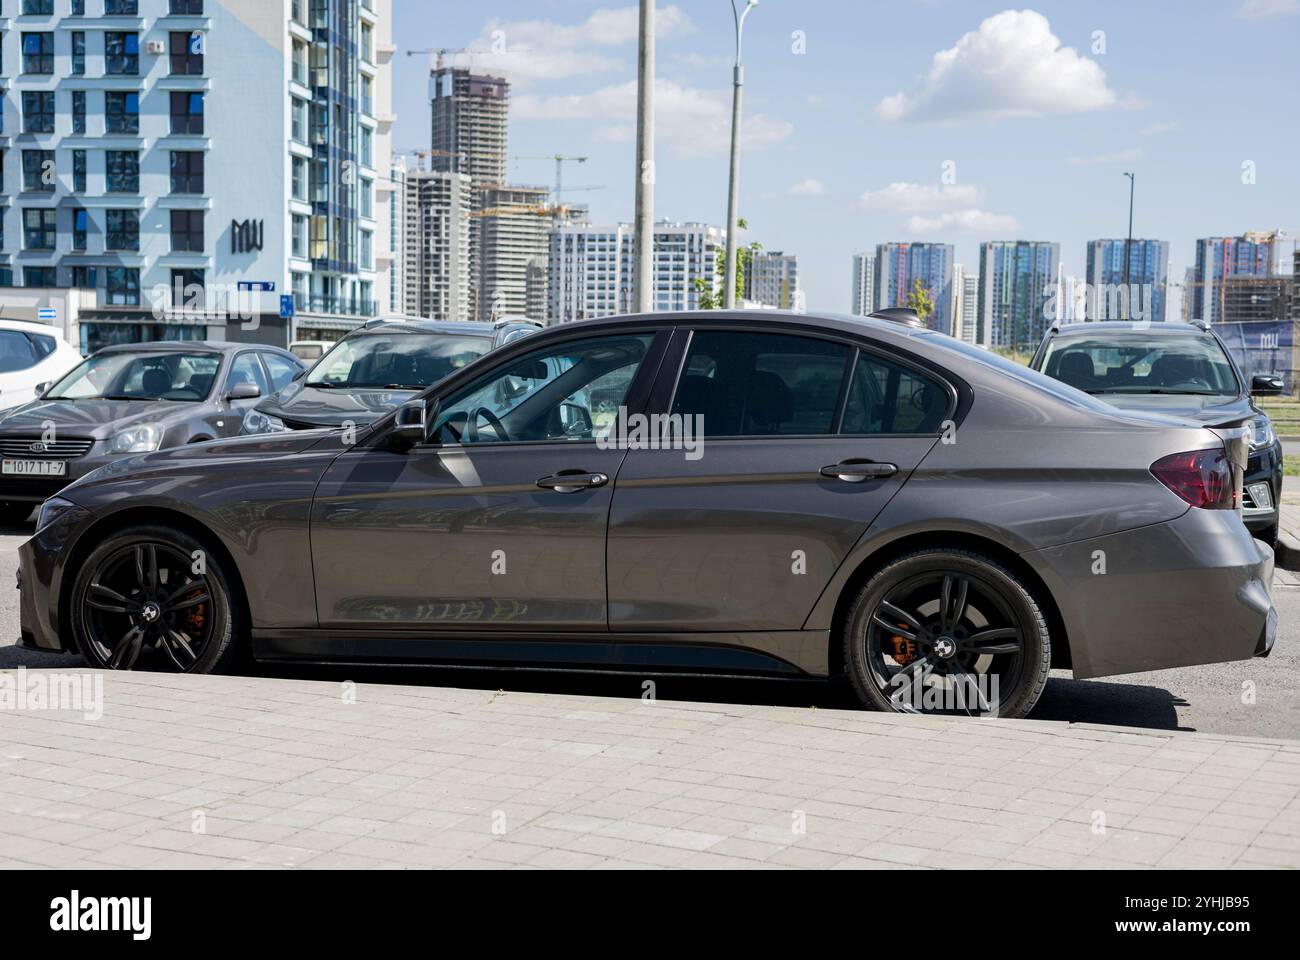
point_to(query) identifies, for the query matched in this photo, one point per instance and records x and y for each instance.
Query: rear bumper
(1190, 591)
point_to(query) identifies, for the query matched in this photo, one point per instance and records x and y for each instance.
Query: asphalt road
(1209, 699)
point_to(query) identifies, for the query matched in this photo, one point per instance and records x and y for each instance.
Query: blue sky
(953, 120)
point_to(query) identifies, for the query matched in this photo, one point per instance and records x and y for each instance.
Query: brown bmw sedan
(740, 493)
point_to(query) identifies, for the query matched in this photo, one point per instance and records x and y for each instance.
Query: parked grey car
(375, 369)
(1180, 369)
(127, 399)
(739, 493)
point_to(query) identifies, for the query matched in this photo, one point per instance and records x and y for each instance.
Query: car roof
(189, 346)
(842, 323)
(465, 328)
(1102, 328)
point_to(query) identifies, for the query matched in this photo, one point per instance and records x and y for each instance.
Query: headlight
(51, 510)
(142, 439)
(256, 422)
(1264, 435)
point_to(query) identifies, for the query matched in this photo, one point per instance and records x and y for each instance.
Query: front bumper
(41, 564)
(1262, 489)
(1190, 591)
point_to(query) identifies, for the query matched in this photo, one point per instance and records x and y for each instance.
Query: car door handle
(858, 471)
(571, 481)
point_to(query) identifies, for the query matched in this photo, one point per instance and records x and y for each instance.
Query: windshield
(401, 361)
(184, 377)
(1161, 365)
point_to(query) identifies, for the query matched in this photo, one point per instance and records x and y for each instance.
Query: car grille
(66, 449)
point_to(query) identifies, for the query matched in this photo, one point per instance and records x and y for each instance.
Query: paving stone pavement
(239, 772)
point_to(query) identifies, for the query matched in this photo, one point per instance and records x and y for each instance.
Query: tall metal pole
(643, 270)
(733, 190)
(1128, 244)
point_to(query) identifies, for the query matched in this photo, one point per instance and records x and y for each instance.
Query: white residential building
(437, 246)
(864, 286)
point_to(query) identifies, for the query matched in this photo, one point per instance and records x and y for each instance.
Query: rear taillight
(1202, 477)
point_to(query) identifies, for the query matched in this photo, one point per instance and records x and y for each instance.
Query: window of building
(122, 171)
(38, 171)
(368, 198)
(78, 8)
(123, 230)
(80, 228)
(78, 53)
(121, 8)
(299, 169)
(367, 250)
(40, 277)
(367, 158)
(367, 97)
(300, 62)
(367, 43)
(78, 111)
(121, 53)
(40, 229)
(187, 231)
(190, 7)
(299, 231)
(186, 53)
(85, 278)
(38, 53)
(122, 111)
(298, 120)
(187, 171)
(37, 7)
(122, 286)
(189, 288)
(187, 113)
(38, 111)
(78, 171)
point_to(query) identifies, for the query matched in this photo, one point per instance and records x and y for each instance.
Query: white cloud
(812, 187)
(525, 50)
(974, 221)
(1012, 66)
(1156, 129)
(688, 120)
(1123, 156)
(1262, 9)
(903, 197)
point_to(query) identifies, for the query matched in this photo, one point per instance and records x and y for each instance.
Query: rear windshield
(1025, 375)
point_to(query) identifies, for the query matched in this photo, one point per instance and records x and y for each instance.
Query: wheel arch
(112, 523)
(975, 543)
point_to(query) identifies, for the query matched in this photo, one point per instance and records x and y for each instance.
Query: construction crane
(458, 155)
(560, 161)
(438, 53)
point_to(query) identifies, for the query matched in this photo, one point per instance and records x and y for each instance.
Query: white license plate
(34, 468)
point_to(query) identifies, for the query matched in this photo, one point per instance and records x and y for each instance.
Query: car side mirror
(408, 425)
(244, 391)
(41, 388)
(1266, 384)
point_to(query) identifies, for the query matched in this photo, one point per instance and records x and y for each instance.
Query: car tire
(16, 513)
(961, 635)
(156, 588)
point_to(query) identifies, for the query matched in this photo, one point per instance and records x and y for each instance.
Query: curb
(1288, 549)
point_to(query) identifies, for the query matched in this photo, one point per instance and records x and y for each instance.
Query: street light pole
(733, 190)
(1128, 244)
(644, 226)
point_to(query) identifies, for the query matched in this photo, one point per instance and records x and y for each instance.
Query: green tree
(920, 300)
(709, 300)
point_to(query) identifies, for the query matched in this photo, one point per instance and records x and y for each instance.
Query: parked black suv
(1180, 369)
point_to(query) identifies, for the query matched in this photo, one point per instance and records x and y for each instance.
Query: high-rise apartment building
(965, 310)
(864, 272)
(772, 279)
(1147, 276)
(192, 162)
(513, 223)
(898, 268)
(1220, 258)
(1018, 279)
(590, 268)
(436, 248)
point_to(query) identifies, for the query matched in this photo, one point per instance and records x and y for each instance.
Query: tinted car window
(282, 370)
(1142, 365)
(886, 397)
(570, 391)
(754, 384)
(130, 376)
(44, 345)
(246, 369)
(16, 352)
